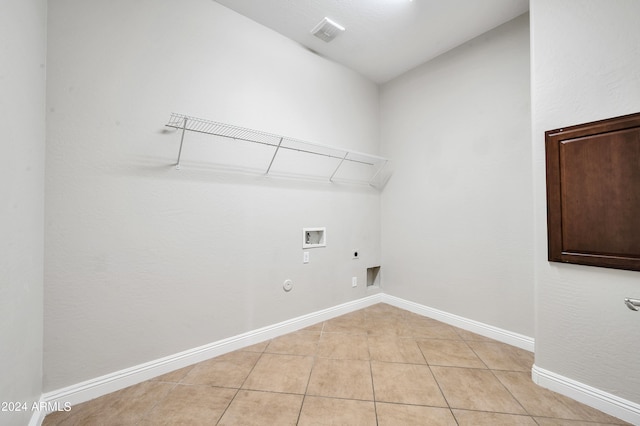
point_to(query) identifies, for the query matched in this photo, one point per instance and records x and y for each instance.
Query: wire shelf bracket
(185, 123)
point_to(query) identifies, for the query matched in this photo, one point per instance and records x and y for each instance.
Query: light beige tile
(480, 418)
(541, 402)
(258, 347)
(386, 326)
(132, 403)
(341, 378)
(535, 399)
(56, 418)
(584, 412)
(330, 411)
(124, 407)
(174, 376)
(299, 343)
(190, 404)
(280, 373)
(395, 349)
(228, 370)
(421, 320)
(352, 323)
(343, 346)
(381, 310)
(470, 336)
(408, 415)
(500, 356)
(251, 408)
(418, 326)
(432, 332)
(314, 327)
(452, 353)
(80, 414)
(474, 389)
(405, 390)
(405, 383)
(544, 421)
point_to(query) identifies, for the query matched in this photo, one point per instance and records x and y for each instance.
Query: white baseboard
(600, 400)
(37, 417)
(504, 336)
(596, 398)
(112, 382)
(103, 385)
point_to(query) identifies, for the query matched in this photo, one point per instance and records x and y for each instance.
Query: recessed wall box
(314, 237)
(373, 276)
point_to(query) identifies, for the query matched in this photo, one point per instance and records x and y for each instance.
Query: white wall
(456, 214)
(22, 118)
(585, 67)
(143, 261)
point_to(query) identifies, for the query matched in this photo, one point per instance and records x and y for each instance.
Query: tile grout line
(242, 384)
(438, 384)
(373, 386)
(313, 363)
(503, 385)
(477, 356)
(394, 323)
(146, 413)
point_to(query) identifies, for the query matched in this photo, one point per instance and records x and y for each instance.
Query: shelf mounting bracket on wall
(184, 129)
(187, 123)
(337, 168)
(274, 156)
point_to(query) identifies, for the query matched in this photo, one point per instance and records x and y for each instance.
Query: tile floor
(377, 366)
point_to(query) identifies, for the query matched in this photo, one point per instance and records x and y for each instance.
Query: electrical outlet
(354, 281)
(305, 257)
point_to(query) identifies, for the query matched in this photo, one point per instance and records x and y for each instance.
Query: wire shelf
(187, 123)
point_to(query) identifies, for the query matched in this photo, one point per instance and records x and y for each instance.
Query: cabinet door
(593, 193)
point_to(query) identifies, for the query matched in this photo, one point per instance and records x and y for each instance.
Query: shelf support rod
(184, 129)
(339, 164)
(274, 156)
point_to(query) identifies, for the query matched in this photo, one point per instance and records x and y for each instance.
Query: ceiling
(383, 38)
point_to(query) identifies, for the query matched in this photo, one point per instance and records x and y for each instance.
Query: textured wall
(585, 62)
(143, 261)
(457, 222)
(22, 116)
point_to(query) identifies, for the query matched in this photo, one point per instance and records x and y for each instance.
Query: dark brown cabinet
(593, 193)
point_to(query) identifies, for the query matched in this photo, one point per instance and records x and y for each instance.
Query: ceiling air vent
(327, 30)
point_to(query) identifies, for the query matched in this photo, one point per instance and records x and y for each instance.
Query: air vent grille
(327, 30)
